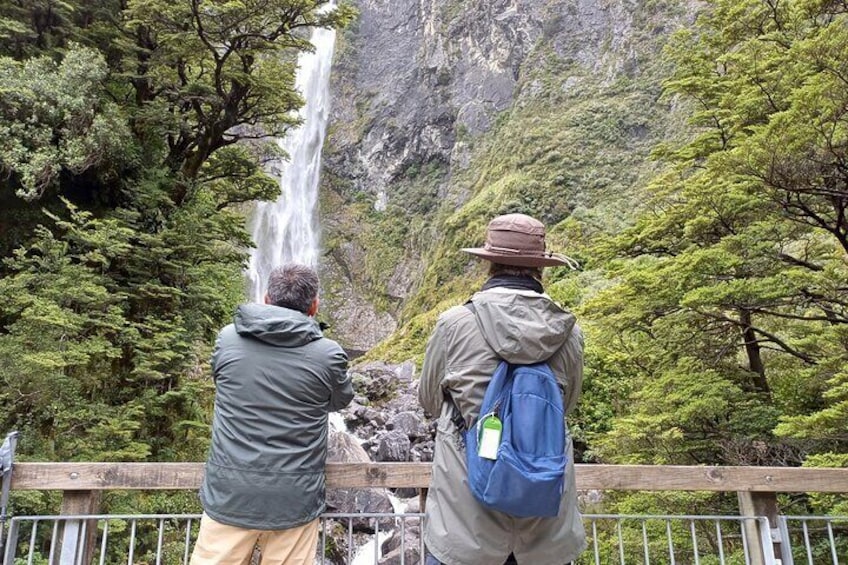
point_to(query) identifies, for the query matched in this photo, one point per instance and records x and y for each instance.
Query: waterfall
(286, 230)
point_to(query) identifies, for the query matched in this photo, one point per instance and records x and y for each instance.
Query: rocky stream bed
(383, 423)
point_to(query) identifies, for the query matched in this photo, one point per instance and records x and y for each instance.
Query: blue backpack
(527, 477)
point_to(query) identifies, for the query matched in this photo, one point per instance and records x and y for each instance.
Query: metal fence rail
(815, 540)
(394, 539)
(674, 539)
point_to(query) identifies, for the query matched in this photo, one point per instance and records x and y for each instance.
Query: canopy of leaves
(130, 132)
(729, 296)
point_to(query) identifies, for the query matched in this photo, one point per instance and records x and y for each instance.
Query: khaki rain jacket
(521, 327)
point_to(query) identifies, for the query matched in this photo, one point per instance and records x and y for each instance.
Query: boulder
(343, 447)
(394, 447)
(404, 546)
(409, 423)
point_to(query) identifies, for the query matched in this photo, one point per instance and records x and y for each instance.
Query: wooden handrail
(756, 487)
(187, 476)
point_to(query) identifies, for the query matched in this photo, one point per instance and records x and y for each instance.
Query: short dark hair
(514, 271)
(293, 286)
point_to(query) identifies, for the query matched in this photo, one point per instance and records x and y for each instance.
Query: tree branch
(770, 336)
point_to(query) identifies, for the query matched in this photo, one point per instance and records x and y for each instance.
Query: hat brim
(517, 260)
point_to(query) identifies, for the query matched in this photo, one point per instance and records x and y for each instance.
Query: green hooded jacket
(521, 327)
(276, 380)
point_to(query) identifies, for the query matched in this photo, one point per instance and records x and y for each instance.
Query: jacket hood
(522, 327)
(277, 326)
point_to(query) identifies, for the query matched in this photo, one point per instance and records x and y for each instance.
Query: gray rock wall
(414, 73)
(418, 85)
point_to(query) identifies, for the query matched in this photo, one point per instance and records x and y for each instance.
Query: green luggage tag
(489, 436)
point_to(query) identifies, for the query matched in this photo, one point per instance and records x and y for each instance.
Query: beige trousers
(219, 544)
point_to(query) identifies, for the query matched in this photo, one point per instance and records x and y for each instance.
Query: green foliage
(724, 323)
(821, 503)
(91, 365)
(34, 27)
(54, 118)
(64, 326)
(123, 122)
(186, 78)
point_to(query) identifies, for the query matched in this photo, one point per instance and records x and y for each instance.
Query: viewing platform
(758, 535)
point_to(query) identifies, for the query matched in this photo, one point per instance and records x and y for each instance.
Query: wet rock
(389, 428)
(376, 382)
(405, 371)
(343, 447)
(413, 505)
(359, 501)
(406, 492)
(409, 423)
(337, 547)
(404, 546)
(375, 412)
(366, 415)
(394, 447)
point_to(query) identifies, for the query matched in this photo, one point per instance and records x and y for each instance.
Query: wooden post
(76, 540)
(422, 499)
(762, 504)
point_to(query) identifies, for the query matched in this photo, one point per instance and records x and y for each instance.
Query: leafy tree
(138, 127)
(34, 27)
(191, 77)
(56, 120)
(729, 297)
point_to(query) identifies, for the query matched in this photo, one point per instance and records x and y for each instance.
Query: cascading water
(286, 231)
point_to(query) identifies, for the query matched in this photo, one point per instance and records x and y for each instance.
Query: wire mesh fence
(394, 539)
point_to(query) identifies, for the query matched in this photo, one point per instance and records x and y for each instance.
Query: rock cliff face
(415, 74)
(425, 91)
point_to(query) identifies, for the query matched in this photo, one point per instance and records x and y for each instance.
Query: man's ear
(268, 299)
(313, 308)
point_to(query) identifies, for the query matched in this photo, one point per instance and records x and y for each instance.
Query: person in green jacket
(276, 380)
(511, 319)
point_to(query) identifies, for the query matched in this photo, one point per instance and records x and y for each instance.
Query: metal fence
(815, 539)
(394, 539)
(676, 539)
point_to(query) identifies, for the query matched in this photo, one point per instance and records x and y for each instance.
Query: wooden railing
(756, 487)
(186, 476)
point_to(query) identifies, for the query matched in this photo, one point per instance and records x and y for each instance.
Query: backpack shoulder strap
(456, 415)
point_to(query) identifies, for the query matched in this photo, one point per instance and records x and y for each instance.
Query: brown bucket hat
(519, 240)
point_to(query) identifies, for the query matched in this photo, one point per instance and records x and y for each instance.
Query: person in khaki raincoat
(511, 319)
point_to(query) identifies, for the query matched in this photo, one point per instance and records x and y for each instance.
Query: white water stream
(364, 555)
(286, 231)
